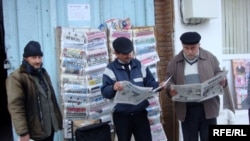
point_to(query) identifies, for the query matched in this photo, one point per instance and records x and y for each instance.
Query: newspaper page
(132, 94)
(200, 92)
(158, 133)
(145, 46)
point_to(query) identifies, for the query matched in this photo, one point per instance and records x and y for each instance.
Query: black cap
(190, 38)
(123, 45)
(33, 48)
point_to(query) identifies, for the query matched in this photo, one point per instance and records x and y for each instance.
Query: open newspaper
(201, 91)
(133, 94)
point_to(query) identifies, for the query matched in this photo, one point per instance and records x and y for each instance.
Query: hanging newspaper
(200, 92)
(158, 133)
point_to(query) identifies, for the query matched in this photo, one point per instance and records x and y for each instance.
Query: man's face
(125, 58)
(34, 61)
(191, 51)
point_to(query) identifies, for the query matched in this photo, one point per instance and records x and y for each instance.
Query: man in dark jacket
(128, 119)
(32, 102)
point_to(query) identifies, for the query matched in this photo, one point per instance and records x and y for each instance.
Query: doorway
(5, 122)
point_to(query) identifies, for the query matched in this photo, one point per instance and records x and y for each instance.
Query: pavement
(241, 117)
(226, 117)
(229, 118)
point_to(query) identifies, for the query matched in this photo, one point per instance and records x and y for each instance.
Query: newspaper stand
(145, 49)
(83, 56)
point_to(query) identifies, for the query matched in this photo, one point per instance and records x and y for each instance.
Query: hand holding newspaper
(164, 84)
(201, 91)
(133, 94)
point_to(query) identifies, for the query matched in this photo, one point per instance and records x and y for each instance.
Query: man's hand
(118, 86)
(223, 82)
(24, 138)
(162, 84)
(172, 91)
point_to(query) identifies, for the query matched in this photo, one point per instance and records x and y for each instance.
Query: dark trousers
(136, 124)
(249, 115)
(196, 124)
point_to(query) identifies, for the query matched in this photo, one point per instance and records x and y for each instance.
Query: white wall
(210, 31)
(36, 20)
(211, 39)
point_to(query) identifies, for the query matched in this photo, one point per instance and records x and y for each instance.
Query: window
(236, 26)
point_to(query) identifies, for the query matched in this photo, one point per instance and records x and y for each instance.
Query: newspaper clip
(160, 87)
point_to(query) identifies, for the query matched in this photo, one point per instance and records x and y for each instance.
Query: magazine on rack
(201, 91)
(133, 94)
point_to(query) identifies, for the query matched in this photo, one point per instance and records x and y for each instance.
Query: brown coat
(32, 110)
(208, 67)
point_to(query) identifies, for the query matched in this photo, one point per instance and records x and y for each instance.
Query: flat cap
(190, 38)
(123, 45)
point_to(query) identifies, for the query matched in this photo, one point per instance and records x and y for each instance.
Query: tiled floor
(131, 139)
(241, 117)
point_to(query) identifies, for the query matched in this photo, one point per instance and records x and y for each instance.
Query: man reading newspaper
(194, 65)
(128, 118)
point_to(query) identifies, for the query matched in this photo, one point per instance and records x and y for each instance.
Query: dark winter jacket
(33, 110)
(139, 75)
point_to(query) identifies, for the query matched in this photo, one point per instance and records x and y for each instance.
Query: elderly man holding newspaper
(194, 65)
(128, 118)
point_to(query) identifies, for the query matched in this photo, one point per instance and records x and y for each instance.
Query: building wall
(164, 25)
(211, 32)
(37, 19)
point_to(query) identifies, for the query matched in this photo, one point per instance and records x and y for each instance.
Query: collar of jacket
(202, 55)
(133, 63)
(23, 69)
